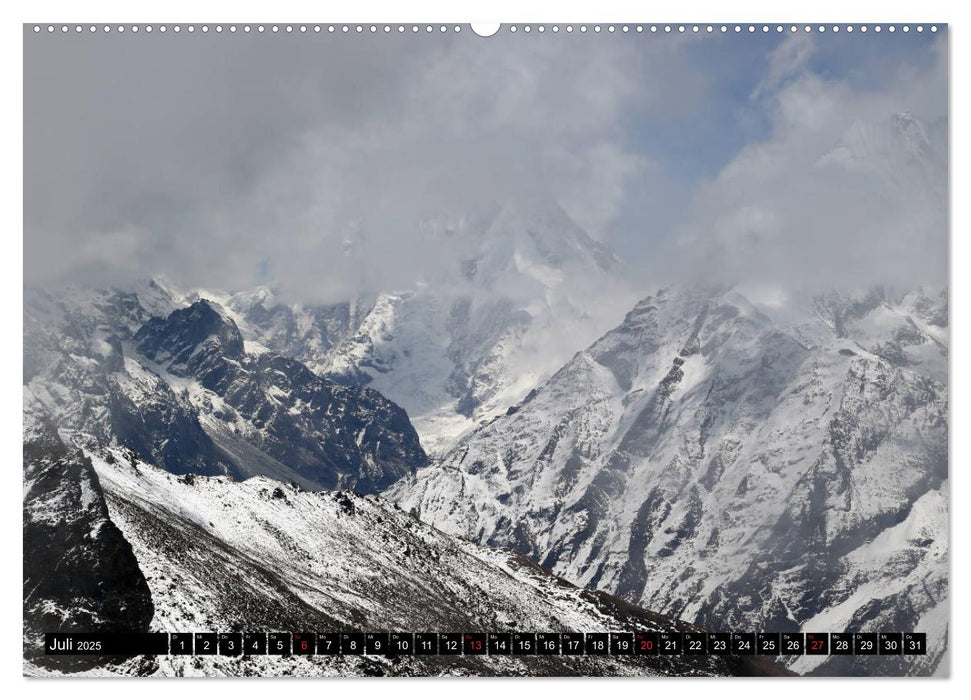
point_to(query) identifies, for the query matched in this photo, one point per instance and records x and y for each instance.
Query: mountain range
(730, 456)
(772, 466)
(180, 389)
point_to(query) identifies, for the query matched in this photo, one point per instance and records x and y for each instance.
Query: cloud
(229, 161)
(849, 189)
(97, 253)
(788, 59)
(259, 160)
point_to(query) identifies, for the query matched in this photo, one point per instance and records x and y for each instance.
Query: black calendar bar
(642, 643)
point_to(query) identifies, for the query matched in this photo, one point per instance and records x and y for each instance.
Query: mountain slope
(781, 466)
(259, 554)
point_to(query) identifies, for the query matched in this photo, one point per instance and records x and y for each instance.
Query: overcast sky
(233, 160)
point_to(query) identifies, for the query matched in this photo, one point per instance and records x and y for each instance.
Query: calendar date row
(487, 643)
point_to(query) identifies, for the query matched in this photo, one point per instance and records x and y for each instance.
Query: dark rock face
(164, 429)
(331, 435)
(189, 338)
(79, 571)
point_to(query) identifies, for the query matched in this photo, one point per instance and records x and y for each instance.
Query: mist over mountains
(725, 456)
(486, 362)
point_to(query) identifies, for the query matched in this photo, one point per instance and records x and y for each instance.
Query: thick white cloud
(230, 161)
(264, 159)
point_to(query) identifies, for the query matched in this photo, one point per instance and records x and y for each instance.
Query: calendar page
(605, 349)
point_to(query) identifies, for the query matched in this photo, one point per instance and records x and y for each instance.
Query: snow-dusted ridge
(258, 554)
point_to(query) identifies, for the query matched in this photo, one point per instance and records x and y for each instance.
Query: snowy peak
(179, 340)
(246, 301)
(907, 329)
(523, 236)
(323, 434)
(521, 288)
(672, 327)
(308, 333)
(77, 371)
(912, 135)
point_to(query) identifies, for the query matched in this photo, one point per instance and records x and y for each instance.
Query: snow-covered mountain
(330, 434)
(176, 385)
(741, 457)
(756, 460)
(76, 370)
(228, 556)
(519, 289)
